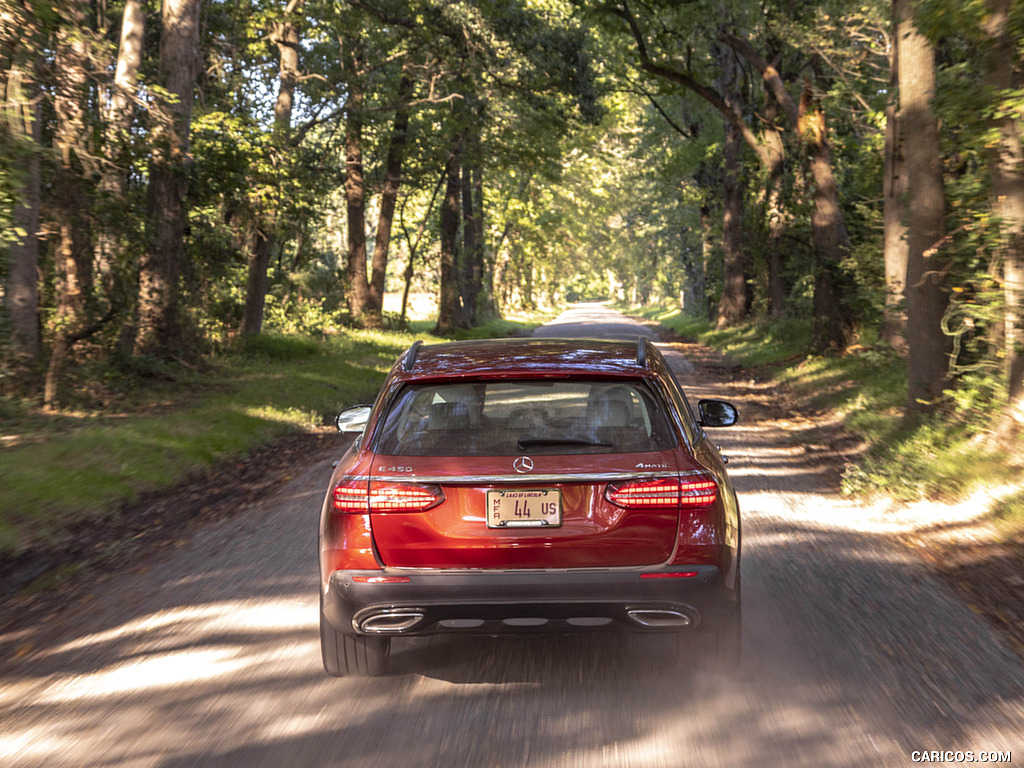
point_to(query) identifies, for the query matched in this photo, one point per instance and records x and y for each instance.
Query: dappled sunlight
(853, 655)
(165, 659)
(288, 416)
(146, 673)
(159, 650)
(236, 616)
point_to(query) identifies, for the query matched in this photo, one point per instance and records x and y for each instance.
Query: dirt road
(206, 654)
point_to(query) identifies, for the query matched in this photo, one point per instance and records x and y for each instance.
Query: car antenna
(410, 356)
(641, 352)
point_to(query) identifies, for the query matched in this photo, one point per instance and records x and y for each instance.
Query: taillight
(686, 491)
(351, 496)
(403, 497)
(380, 496)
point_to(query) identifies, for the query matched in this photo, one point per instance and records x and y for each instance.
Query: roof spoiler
(410, 355)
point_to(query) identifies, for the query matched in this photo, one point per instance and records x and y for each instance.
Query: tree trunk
(775, 154)
(929, 347)
(707, 248)
(894, 185)
(472, 230)
(261, 242)
(485, 297)
(733, 303)
(159, 324)
(1006, 163)
(73, 266)
(501, 266)
(828, 231)
(392, 183)
(828, 228)
(259, 247)
(121, 278)
(286, 37)
(22, 292)
(448, 303)
(119, 112)
(355, 193)
(71, 140)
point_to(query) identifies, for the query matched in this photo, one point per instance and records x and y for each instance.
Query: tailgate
(587, 531)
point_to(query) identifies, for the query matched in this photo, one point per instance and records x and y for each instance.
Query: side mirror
(353, 419)
(717, 413)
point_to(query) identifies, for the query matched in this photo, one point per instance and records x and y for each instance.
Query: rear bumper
(534, 601)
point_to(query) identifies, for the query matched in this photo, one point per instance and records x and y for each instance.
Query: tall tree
(355, 184)
(21, 296)
(389, 196)
(894, 243)
(732, 305)
(471, 271)
(159, 322)
(262, 231)
(117, 269)
(774, 210)
(828, 227)
(478, 301)
(927, 298)
(1003, 63)
(832, 325)
(118, 114)
(448, 298)
(74, 263)
(658, 53)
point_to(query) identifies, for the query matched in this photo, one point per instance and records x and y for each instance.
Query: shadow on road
(208, 656)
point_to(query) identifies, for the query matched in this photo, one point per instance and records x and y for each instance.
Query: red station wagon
(524, 486)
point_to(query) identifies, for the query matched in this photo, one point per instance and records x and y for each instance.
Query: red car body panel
(594, 532)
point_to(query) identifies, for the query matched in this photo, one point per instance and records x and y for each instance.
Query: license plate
(534, 508)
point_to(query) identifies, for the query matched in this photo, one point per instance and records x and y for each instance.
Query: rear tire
(352, 655)
(717, 650)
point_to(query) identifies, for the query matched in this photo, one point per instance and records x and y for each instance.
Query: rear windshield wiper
(525, 442)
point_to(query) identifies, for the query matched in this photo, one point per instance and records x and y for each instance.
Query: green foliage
(301, 316)
(766, 343)
(1009, 512)
(161, 422)
(62, 468)
(280, 348)
(938, 457)
(600, 181)
(522, 325)
(930, 460)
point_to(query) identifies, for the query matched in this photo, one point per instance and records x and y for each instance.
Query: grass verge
(949, 456)
(68, 468)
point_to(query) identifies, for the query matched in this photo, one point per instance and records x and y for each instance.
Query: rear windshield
(508, 418)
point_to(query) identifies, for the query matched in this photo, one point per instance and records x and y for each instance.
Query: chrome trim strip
(530, 479)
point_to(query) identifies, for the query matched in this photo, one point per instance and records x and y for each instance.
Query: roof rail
(410, 356)
(641, 351)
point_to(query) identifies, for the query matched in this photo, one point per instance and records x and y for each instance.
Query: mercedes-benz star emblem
(523, 464)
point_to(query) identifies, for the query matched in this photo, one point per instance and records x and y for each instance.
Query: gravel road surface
(206, 654)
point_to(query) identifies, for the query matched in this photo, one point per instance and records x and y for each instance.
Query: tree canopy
(180, 174)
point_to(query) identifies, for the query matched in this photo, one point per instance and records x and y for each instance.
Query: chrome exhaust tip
(388, 622)
(659, 618)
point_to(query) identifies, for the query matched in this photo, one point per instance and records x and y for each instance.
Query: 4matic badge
(643, 465)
